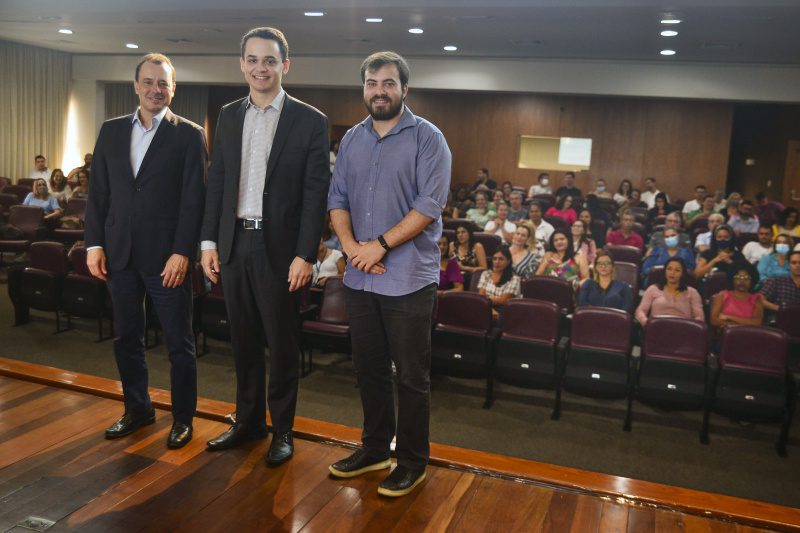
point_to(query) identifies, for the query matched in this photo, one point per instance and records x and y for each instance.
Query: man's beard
(391, 111)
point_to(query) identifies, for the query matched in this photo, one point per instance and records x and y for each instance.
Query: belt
(252, 223)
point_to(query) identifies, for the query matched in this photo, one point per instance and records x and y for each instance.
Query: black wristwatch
(382, 241)
(307, 259)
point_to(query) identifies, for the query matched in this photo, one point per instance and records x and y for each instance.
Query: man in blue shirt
(389, 187)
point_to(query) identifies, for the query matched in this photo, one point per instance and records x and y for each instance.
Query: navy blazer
(140, 222)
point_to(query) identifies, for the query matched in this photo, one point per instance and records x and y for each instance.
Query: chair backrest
(700, 223)
(454, 224)
(26, 182)
(534, 320)
(550, 289)
(628, 273)
(490, 242)
(76, 207)
(754, 348)
(77, 258)
(743, 238)
(465, 310)
(450, 234)
(50, 256)
(545, 201)
(598, 227)
(601, 328)
(474, 279)
(28, 218)
(640, 213)
(556, 222)
(715, 282)
(641, 229)
(7, 200)
(789, 320)
(625, 253)
(4, 181)
(333, 309)
(18, 191)
(609, 205)
(676, 338)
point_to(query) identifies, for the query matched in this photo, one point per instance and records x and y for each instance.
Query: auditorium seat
(698, 223)
(673, 370)
(752, 381)
(550, 289)
(462, 338)
(545, 201)
(713, 283)
(743, 238)
(455, 223)
(597, 362)
(556, 222)
(83, 295)
(26, 183)
(331, 329)
(474, 279)
(490, 242)
(4, 181)
(526, 353)
(628, 273)
(6, 201)
(76, 207)
(20, 192)
(42, 281)
(625, 253)
(450, 234)
(788, 320)
(29, 219)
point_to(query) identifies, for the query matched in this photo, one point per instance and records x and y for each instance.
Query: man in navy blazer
(265, 207)
(143, 220)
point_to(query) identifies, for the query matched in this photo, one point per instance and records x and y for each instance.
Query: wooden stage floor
(55, 464)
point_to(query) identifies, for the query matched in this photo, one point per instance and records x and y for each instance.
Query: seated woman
(480, 214)
(41, 197)
(582, 243)
(59, 187)
(603, 290)
(775, 263)
(500, 283)
(624, 192)
(634, 201)
(741, 305)
(562, 262)
(660, 255)
(469, 254)
(450, 277)
(661, 209)
(501, 226)
(671, 296)
(787, 223)
(721, 255)
(330, 262)
(82, 190)
(498, 197)
(524, 260)
(564, 210)
(592, 211)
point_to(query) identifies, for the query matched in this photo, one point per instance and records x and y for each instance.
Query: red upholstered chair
(625, 253)
(550, 289)
(83, 295)
(712, 284)
(598, 359)
(526, 353)
(29, 220)
(331, 329)
(462, 338)
(42, 281)
(17, 190)
(6, 201)
(26, 183)
(698, 223)
(743, 238)
(628, 273)
(474, 279)
(76, 207)
(4, 181)
(609, 205)
(640, 214)
(752, 381)
(673, 370)
(545, 201)
(490, 242)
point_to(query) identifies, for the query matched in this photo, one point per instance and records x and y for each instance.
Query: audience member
(82, 190)
(582, 243)
(542, 186)
(673, 221)
(484, 182)
(695, 204)
(603, 290)
(703, 240)
(740, 305)
(630, 203)
(787, 223)
(755, 250)
(563, 209)
(330, 262)
(329, 237)
(600, 189)
(470, 255)
(776, 263)
(722, 255)
(480, 214)
(500, 225)
(525, 259)
(766, 210)
(40, 170)
(41, 197)
(719, 200)
(660, 209)
(671, 296)
(542, 229)
(783, 290)
(500, 284)
(450, 276)
(744, 221)
(72, 177)
(59, 187)
(624, 235)
(507, 187)
(333, 153)
(650, 192)
(516, 211)
(561, 261)
(624, 192)
(731, 206)
(497, 199)
(705, 211)
(595, 212)
(462, 203)
(569, 187)
(662, 254)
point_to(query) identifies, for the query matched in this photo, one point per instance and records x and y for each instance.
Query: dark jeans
(384, 329)
(174, 309)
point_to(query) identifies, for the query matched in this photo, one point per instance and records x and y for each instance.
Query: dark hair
(40, 156)
(784, 216)
(379, 59)
(485, 171)
(751, 270)
(745, 202)
(765, 226)
(542, 175)
(562, 199)
(760, 195)
(713, 244)
(570, 173)
(584, 238)
(506, 182)
(272, 34)
(682, 283)
(470, 239)
(707, 196)
(701, 186)
(569, 253)
(592, 204)
(630, 187)
(53, 183)
(508, 272)
(158, 59)
(792, 253)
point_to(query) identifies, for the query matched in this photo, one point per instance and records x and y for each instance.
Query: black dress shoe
(401, 481)
(235, 436)
(179, 436)
(280, 449)
(129, 423)
(360, 462)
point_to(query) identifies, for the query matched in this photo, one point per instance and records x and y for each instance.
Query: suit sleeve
(315, 189)
(98, 201)
(216, 183)
(190, 212)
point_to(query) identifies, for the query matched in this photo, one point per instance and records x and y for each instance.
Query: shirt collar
(156, 119)
(407, 119)
(277, 102)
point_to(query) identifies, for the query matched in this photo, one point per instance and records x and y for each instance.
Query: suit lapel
(285, 122)
(164, 128)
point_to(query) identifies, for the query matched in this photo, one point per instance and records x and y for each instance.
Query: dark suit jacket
(295, 189)
(141, 222)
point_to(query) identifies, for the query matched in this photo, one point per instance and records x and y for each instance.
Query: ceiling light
(132, 45)
(415, 31)
(451, 48)
(374, 19)
(65, 31)
(670, 21)
(314, 14)
(667, 52)
(669, 33)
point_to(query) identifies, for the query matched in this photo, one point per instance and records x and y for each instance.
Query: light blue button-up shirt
(379, 180)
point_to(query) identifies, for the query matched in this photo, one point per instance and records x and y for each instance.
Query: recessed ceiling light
(65, 31)
(670, 21)
(451, 48)
(415, 31)
(132, 45)
(669, 33)
(667, 52)
(314, 14)
(374, 19)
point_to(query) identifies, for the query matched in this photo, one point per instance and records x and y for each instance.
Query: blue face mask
(782, 248)
(671, 242)
(723, 244)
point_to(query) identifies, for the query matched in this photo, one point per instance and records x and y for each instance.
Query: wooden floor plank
(588, 511)
(437, 509)
(560, 513)
(614, 517)
(641, 519)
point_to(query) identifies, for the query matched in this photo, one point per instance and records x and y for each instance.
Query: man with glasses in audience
(745, 221)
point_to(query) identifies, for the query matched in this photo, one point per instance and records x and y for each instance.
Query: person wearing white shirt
(500, 225)
(648, 196)
(694, 205)
(41, 172)
(542, 187)
(753, 251)
(542, 228)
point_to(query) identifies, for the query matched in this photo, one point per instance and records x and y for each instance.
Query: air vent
(180, 41)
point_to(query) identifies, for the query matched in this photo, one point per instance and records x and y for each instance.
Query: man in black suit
(142, 226)
(265, 207)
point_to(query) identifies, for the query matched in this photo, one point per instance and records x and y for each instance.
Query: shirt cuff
(428, 207)
(208, 245)
(94, 248)
(338, 202)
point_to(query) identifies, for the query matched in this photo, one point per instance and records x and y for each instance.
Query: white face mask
(545, 182)
(601, 188)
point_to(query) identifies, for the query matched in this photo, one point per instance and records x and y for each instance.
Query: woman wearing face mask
(543, 186)
(722, 254)
(775, 264)
(662, 254)
(40, 197)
